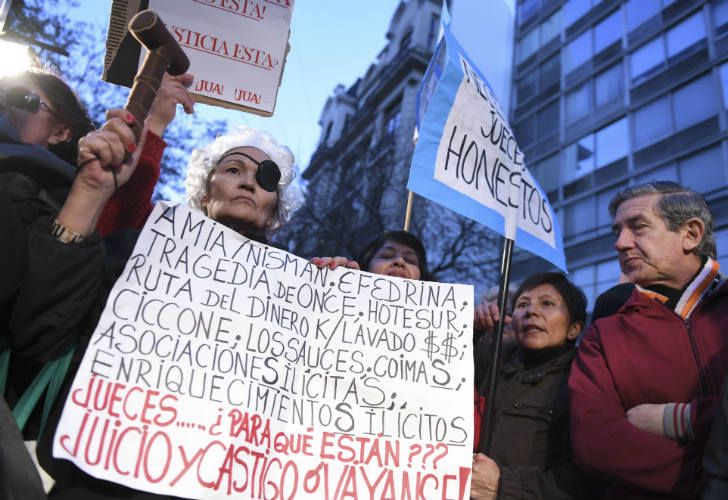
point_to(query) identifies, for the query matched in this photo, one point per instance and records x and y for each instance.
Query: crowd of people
(628, 405)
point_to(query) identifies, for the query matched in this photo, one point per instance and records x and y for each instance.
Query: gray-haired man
(645, 381)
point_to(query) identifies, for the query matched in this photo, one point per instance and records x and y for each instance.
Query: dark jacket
(715, 460)
(531, 428)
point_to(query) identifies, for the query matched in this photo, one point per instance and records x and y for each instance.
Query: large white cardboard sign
(225, 368)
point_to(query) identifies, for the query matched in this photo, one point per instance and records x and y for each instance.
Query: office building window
(686, 34)
(647, 60)
(550, 73)
(551, 28)
(664, 173)
(527, 86)
(609, 86)
(525, 131)
(578, 51)
(528, 45)
(579, 217)
(607, 275)
(548, 120)
(578, 159)
(695, 102)
(724, 83)
(608, 31)
(720, 17)
(527, 9)
(575, 9)
(546, 172)
(652, 122)
(584, 279)
(640, 11)
(612, 143)
(603, 199)
(578, 102)
(703, 171)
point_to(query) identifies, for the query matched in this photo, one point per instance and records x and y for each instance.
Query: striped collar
(705, 281)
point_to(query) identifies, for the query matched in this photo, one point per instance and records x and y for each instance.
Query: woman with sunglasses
(242, 180)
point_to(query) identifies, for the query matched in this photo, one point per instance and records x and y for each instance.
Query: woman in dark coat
(530, 455)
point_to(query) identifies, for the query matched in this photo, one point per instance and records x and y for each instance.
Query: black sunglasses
(267, 175)
(18, 97)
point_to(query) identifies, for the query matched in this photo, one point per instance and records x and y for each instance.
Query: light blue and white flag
(467, 159)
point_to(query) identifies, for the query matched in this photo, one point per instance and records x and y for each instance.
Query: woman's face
(42, 127)
(541, 319)
(233, 197)
(395, 259)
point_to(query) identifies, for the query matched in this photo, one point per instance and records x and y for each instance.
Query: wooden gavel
(163, 55)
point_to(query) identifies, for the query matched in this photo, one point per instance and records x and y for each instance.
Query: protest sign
(237, 50)
(224, 368)
(467, 158)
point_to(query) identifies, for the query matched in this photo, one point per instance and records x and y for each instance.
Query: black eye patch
(268, 175)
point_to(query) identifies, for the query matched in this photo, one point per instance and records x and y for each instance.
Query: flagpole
(408, 210)
(487, 431)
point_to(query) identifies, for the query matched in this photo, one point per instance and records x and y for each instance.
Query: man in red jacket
(645, 382)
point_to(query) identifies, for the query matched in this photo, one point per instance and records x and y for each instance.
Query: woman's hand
(173, 91)
(102, 170)
(484, 482)
(647, 417)
(334, 262)
(487, 316)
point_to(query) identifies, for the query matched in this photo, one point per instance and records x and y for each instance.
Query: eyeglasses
(267, 175)
(18, 97)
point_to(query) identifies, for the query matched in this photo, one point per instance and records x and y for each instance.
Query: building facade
(356, 179)
(608, 93)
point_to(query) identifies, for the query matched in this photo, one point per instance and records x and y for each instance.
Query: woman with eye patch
(530, 453)
(242, 180)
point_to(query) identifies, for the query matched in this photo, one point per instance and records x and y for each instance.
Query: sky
(332, 42)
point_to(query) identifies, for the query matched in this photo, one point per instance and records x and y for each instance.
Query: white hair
(204, 160)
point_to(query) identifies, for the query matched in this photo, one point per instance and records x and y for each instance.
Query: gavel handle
(146, 85)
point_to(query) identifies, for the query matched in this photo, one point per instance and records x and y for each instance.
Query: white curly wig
(204, 159)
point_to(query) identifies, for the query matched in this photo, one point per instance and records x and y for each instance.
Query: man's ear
(693, 231)
(59, 134)
(574, 330)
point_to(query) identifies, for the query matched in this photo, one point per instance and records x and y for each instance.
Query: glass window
(646, 60)
(527, 10)
(609, 85)
(721, 241)
(652, 122)
(584, 279)
(527, 86)
(724, 83)
(703, 171)
(525, 131)
(551, 28)
(578, 159)
(612, 143)
(607, 275)
(580, 217)
(548, 120)
(546, 173)
(578, 51)
(665, 173)
(578, 102)
(639, 11)
(685, 34)
(550, 71)
(574, 10)
(720, 16)
(608, 31)
(695, 102)
(603, 199)
(528, 45)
